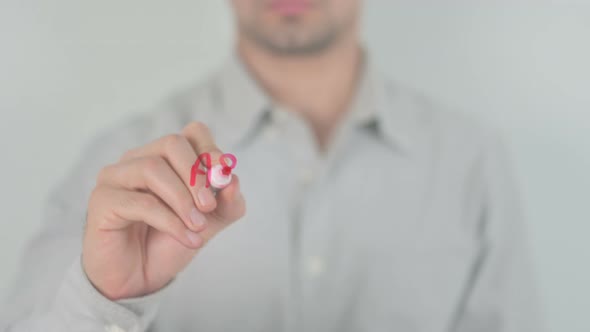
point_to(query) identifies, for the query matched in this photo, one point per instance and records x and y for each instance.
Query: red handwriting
(204, 159)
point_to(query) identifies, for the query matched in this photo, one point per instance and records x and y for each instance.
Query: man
(369, 209)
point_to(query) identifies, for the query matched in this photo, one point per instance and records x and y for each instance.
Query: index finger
(200, 138)
(181, 156)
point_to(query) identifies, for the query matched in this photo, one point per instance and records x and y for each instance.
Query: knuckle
(153, 165)
(195, 126)
(172, 140)
(104, 174)
(98, 203)
(174, 225)
(95, 194)
(129, 154)
(142, 201)
(147, 202)
(184, 200)
(214, 150)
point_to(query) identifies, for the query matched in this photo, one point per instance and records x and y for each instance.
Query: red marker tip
(226, 170)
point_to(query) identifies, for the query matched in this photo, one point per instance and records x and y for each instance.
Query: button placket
(319, 261)
(315, 266)
(303, 150)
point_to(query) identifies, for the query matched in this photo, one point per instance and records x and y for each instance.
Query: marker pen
(219, 177)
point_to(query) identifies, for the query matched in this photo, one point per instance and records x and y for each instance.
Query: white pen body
(217, 179)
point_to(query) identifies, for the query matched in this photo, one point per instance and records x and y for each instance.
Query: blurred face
(296, 26)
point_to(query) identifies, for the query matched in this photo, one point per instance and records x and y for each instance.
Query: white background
(70, 68)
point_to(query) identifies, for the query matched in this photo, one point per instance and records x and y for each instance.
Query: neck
(320, 87)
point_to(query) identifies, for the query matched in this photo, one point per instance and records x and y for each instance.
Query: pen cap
(219, 176)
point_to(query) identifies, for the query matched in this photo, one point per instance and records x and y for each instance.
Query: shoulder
(436, 126)
(168, 116)
(107, 146)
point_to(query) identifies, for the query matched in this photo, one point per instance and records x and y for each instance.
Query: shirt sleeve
(502, 295)
(51, 291)
(78, 306)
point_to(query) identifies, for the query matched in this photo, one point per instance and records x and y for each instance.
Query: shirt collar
(388, 106)
(378, 101)
(244, 103)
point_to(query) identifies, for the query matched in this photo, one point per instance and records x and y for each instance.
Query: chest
(371, 240)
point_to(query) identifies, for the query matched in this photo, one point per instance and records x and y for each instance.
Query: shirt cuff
(83, 305)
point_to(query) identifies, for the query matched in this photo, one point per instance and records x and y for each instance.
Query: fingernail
(205, 196)
(197, 218)
(194, 238)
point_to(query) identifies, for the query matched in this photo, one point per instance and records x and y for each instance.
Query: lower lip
(290, 7)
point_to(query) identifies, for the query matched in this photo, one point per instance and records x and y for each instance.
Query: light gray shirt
(409, 222)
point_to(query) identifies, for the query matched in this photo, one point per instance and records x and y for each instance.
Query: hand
(145, 222)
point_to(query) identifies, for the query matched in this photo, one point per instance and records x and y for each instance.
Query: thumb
(230, 207)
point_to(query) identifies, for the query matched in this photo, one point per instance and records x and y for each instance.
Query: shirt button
(113, 328)
(315, 266)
